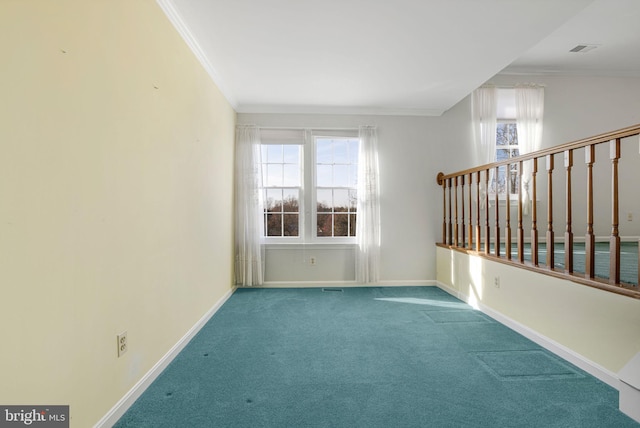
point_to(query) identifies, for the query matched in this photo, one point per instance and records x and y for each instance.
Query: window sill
(307, 245)
(502, 199)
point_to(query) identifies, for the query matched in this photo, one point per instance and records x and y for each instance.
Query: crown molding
(170, 10)
(338, 110)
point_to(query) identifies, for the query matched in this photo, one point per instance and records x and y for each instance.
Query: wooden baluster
(470, 213)
(568, 234)
(487, 235)
(496, 245)
(444, 212)
(507, 220)
(590, 240)
(550, 234)
(520, 226)
(455, 204)
(463, 226)
(534, 214)
(478, 229)
(450, 240)
(614, 241)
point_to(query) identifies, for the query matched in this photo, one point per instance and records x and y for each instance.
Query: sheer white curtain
(529, 115)
(484, 105)
(368, 221)
(248, 204)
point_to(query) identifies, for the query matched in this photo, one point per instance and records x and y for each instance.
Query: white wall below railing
(594, 329)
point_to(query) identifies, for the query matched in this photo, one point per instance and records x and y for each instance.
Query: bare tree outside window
(336, 183)
(282, 181)
(506, 148)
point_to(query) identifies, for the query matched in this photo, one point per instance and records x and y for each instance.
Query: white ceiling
(415, 57)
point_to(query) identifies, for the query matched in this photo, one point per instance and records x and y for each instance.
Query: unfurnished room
(319, 214)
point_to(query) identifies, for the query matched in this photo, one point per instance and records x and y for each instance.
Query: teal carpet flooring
(367, 357)
(628, 258)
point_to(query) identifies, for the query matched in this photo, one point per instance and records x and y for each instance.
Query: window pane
(274, 224)
(353, 176)
(515, 181)
(274, 153)
(353, 200)
(352, 225)
(341, 225)
(502, 154)
(354, 145)
(340, 200)
(291, 175)
(507, 133)
(324, 199)
(324, 175)
(324, 225)
(500, 180)
(290, 224)
(274, 175)
(341, 175)
(291, 201)
(340, 154)
(291, 154)
(273, 200)
(323, 151)
(500, 138)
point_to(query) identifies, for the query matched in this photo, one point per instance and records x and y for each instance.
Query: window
(336, 174)
(309, 185)
(506, 147)
(506, 142)
(282, 183)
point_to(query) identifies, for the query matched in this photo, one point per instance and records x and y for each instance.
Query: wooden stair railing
(473, 233)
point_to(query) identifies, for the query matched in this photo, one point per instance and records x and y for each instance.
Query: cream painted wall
(597, 325)
(116, 157)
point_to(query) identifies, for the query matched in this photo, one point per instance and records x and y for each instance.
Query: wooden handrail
(475, 244)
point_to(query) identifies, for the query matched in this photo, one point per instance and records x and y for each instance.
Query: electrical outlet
(312, 261)
(496, 281)
(123, 344)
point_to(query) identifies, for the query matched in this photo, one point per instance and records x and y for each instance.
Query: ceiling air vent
(583, 48)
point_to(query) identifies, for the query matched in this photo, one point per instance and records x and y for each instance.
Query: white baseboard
(408, 283)
(134, 393)
(316, 284)
(562, 351)
(305, 284)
